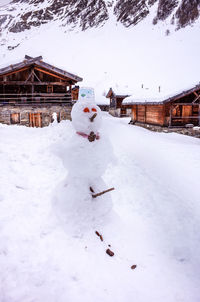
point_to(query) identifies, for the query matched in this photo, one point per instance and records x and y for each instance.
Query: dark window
(49, 89)
(113, 102)
(15, 118)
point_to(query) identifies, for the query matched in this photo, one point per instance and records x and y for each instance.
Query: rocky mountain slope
(21, 15)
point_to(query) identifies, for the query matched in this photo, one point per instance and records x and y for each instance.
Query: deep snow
(155, 222)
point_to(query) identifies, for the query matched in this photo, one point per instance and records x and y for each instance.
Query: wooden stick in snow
(103, 192)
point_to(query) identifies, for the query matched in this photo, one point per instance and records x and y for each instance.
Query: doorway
(35, 120)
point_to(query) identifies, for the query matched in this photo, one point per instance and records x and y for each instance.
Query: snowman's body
(86, 160)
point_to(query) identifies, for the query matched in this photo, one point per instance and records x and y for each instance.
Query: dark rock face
(85, 13)
(187, 12)
(165, 8)
(21, 15)
(88, 13)
(130, 12)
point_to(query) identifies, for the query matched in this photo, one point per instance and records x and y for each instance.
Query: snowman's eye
(86, 109)
(94, 109)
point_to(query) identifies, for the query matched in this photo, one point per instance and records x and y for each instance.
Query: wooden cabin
(32, 90)
(116, 108)
(176, 111)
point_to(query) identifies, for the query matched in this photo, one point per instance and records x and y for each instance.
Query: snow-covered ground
(154, 225)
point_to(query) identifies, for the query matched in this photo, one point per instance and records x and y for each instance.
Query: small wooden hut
(178, 110)
(32, 90)
(116, 108)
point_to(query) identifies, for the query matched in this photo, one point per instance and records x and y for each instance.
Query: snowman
(84, 199)
(55, 119)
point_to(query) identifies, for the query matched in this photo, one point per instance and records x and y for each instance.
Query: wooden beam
(184, 104)
(29, 76)
(36, 76)
(183, 117)
(197, 97)
(33, 59)
(50, 73)
(37, 104)
(35, 83)
(19, 70)
(36, 94)
(199, 115)
(170, 116)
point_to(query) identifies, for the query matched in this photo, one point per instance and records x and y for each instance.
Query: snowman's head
(86, 117)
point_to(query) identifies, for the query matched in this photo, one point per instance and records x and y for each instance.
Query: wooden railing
(35, 98)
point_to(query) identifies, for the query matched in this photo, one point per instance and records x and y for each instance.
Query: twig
(91, 190)
(100, 236)
(101, 193)
(93, 117)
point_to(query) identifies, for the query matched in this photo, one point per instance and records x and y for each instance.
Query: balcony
(35, 99)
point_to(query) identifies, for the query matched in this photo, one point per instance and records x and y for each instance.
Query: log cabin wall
(141, 111)
(134, 113)
(30, 95)
(155, 115)
(150, 114)
(75, 93)
(117, 108)
(126, 111)
(119, 102)
(177, 111)
(167, 114)
(184, 110)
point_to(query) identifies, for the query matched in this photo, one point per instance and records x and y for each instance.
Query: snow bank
(155, 226)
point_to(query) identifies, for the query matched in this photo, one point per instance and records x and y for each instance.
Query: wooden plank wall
(141, 113)
(150, 114)
(134, 113)
(155, 114)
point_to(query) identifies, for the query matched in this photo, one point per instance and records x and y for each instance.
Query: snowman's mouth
(93, 117)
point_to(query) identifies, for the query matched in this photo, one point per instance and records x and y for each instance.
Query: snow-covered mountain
(94, 13)
(121, 44)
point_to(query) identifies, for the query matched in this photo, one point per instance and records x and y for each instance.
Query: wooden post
(136, 113)
(4, 93)
(4, 79)
(32, 81)
(199, 114)
(170, 116)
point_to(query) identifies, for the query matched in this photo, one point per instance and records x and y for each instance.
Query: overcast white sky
(2, 2)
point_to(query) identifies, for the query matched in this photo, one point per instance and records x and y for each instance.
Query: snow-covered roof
(38, 61)
(148, 96)
(118, 92)
(103, 101)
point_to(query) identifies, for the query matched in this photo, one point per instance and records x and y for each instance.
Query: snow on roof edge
(155, 100)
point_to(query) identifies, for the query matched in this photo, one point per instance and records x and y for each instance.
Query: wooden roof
(182, 94)
(163, 99)
(39, 63)
(118, 95)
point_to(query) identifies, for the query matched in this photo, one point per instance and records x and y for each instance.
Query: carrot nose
(93, 117)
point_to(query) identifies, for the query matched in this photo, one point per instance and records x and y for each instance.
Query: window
(49, 89)
(35, 120)
(15, 118)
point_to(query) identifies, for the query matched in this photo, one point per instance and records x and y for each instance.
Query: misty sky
(2, 2)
